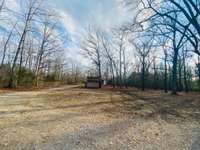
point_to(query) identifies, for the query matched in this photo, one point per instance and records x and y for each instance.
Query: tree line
(163, 37)
(158, 48)
(32, 50)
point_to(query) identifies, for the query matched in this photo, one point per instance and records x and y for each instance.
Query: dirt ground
(74, 118)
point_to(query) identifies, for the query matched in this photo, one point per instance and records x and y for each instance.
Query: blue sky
(78, 14)
(81, 13)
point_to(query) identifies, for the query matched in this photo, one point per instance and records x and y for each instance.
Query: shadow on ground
(152, 104)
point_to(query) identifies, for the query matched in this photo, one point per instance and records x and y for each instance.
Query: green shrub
(4, 75)
(26, 77)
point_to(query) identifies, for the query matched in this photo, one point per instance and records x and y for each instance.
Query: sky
(79, 14)
(75, 15)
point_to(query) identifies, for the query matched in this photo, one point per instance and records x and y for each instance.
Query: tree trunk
(113, 75)
(20, 67)
(21, 61)
(100, 77)
(185, 76)
(180, 78)
(143, 75)
(124, 76)
(120, 68)
(166, 78)
(15, 60)
(154, 75)
(174, 72)
(198, 72)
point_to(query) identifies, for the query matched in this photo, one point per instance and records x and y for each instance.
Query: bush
(50, 78)
(26, 77)
(4, 75)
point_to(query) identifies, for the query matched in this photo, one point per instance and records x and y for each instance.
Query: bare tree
(33, 45)
(33, 9)
(143, 48)
(47, 43)
(91, 46)
(6, 45)
(120, 36)
(185, 56)
(198, 71)
(125, 68)
(187, 25)
(165, 70)
(164, 26)
(177, 43)
(109, 56)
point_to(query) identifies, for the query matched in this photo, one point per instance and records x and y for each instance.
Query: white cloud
(12, 5)
(68, 22)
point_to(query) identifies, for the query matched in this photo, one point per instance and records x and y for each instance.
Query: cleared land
(71, 117)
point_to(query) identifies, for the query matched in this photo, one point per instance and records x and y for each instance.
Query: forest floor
(74, 118)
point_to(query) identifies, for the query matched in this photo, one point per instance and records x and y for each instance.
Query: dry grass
(71, 117)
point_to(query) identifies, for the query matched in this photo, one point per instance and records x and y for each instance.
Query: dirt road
(73, 118)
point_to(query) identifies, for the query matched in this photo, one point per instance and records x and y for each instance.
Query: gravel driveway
(73, 118)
